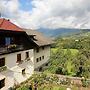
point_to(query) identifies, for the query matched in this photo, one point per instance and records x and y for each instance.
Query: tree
(81, 65)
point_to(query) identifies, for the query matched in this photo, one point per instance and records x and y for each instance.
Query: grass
(54, 50)
(73, 51)
(69, 66)
(69, 62)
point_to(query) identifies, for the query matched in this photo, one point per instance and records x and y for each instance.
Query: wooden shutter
(2, 62)
(18, 57)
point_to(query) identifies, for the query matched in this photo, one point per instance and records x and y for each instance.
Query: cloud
(9, 7)
(49, 13)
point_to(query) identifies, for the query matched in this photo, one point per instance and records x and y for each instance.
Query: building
(42, 50)
(21, 52)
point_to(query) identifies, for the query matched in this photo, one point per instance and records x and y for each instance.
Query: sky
(51, 14)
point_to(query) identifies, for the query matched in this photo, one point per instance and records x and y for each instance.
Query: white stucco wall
(13, 73)
(11, 59)
(45, 53)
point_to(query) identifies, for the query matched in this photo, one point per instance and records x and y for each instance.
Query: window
(23, 71)
(40, 69)
(37, 60)
(18, 57)
(2, 83)
(43, 48)
(37, 50)
(2, 62)
(42, 57)
(46, 64)
(7, 41)
(27, 54)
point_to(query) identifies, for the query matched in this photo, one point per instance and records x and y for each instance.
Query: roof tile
(40, 39)
(7, 25)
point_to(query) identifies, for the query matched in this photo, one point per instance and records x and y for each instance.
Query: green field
(73, 51)
(69, 67)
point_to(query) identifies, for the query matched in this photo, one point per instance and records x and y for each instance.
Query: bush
(59, 70)
(23, 88)
(85, 83)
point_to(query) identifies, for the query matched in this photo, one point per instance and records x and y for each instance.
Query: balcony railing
(10, 48)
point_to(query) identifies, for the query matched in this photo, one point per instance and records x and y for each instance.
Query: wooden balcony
(10, 48)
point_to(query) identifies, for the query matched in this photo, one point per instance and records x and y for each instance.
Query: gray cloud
(49, 13)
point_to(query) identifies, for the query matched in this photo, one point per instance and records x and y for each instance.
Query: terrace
(10, 48)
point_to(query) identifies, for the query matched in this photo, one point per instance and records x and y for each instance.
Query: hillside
(62, 32)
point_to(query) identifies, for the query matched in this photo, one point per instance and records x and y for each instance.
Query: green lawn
(54, 49)
(69, 62)
(73, 51)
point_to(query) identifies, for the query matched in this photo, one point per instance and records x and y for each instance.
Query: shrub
(85, 83)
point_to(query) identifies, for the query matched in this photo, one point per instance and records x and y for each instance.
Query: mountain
(61, 32)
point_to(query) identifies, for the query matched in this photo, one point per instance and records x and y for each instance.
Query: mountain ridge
(61, 31)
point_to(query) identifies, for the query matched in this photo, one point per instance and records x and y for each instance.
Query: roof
(7, 25)
(39, 38)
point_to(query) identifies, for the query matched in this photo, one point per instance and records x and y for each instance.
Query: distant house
(21, 52)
